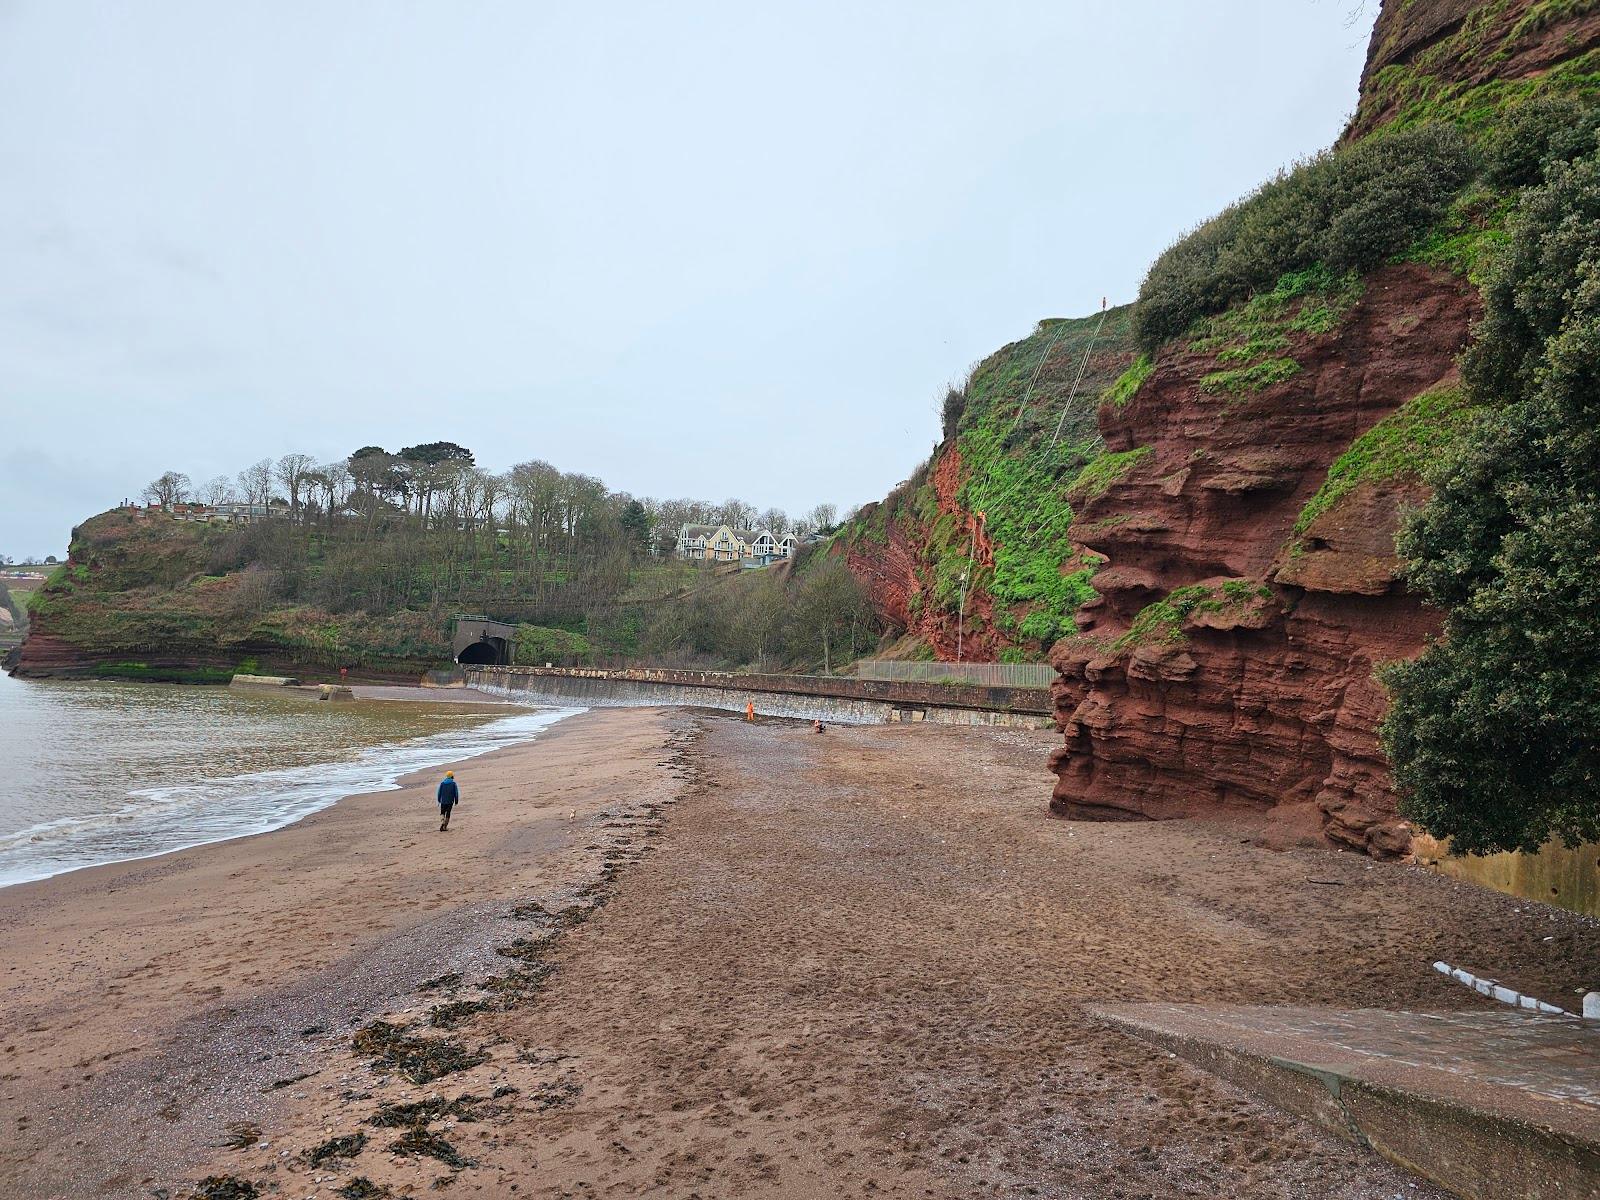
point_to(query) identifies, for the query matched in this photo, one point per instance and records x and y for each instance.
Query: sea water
(95, 773)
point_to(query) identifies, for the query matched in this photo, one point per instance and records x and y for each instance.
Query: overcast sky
(691, 248)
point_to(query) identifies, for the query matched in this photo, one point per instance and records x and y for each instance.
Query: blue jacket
(449, 793)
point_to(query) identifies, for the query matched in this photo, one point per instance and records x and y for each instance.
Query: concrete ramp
(1491, 1105)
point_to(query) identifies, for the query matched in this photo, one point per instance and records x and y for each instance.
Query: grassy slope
(1017, 479)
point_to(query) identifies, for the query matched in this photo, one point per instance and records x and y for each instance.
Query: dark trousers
(444, 812)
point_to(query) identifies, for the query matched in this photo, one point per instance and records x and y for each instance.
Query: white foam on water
(160, 820)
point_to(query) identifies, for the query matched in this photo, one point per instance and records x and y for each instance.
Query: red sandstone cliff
(1228, 659)
(1267, 699)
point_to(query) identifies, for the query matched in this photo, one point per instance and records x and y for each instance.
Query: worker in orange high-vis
(750, 711)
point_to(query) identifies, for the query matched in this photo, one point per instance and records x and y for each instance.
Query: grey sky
(693, 249)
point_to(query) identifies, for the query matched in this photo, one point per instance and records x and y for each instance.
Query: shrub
(1348, 210)
(1535, 134)
(955, 403)
(539, 644)
(1491, 731)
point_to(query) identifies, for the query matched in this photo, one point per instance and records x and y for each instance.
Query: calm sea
(102, 772)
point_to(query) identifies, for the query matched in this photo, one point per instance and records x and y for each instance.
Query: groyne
(846, 701)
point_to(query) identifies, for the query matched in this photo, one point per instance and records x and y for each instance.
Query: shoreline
(168, 990)
(492, 707)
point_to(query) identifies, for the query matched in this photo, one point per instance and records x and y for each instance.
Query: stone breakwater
(843, 701)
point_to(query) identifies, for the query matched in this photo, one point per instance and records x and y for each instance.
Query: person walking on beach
(449, 794)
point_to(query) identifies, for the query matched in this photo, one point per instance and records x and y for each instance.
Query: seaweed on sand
(421, 1060)
(527, 949)
(225, 1187)
(448, 1016)
(420, 1112)
(347, 1146)
(522, 982)
(362, 1188)
(241, 1135)
(418, 1141)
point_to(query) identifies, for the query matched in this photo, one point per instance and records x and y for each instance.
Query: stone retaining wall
(842, 700)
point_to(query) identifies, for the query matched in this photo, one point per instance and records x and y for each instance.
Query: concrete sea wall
(842, 701)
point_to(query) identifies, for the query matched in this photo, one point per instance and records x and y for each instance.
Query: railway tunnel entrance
(481, 642)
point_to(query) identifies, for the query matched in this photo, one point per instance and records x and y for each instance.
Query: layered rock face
(1259, 692)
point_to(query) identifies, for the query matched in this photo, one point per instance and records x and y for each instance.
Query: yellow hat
(449, 774)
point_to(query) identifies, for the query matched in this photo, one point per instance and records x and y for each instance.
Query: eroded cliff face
(893, 572)
(1229, 661)
(991, 504)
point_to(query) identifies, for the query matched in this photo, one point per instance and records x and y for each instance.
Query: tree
(171, 488)
(823, 518)
(431, 464)
(635, 524)
(256, 482)
(736, 514)
(291, 471)
(764, 611)
(219, 490)
(775, 521)
(832, 610)
(1494, 730)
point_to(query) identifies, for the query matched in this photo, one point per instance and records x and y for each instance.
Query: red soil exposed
(891, 575)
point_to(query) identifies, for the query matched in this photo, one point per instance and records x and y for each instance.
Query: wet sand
(759, 962)
(146, 1005)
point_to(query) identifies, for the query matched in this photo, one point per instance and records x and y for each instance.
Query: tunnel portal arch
(489, 652)
(481, 642)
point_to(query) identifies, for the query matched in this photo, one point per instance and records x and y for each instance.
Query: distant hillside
(145, 596)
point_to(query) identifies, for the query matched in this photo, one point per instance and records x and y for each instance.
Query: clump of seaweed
(241, 1135)
(448, 1016)
(527, 949)
(421, 1060)
(362, 1188)
(449, 980)
(347, 1146)
(420, 1112)
(225, 1187)
(521, 982)
(419, 1142)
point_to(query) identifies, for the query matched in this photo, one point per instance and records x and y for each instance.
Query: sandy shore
(144, 1006)
(854, 964)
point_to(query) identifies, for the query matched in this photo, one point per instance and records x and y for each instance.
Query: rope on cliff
(1083, 369)
(981, 496)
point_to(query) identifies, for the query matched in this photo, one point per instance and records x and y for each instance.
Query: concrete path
(1489, 1104)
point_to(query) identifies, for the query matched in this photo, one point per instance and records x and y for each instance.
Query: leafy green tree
(1494, 731)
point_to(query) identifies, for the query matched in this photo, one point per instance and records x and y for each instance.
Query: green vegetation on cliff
(1024, 439)
(1492, 730)
(1346, 210)
(1404, 444)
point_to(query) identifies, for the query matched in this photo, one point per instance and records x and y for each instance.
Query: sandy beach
(146, 1005)
(674, 954)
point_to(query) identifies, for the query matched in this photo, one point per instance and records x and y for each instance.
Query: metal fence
(984, 674)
